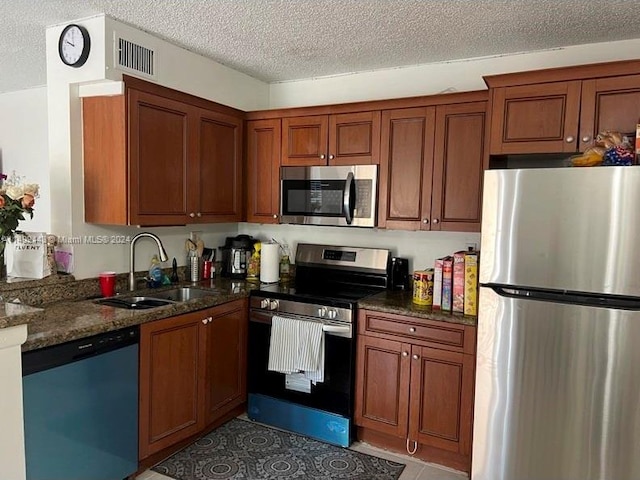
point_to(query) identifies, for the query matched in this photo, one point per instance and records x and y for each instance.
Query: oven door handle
(348, 201)
(335, 329)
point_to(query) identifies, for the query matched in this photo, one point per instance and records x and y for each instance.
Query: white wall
(23, 148)
(463, 75)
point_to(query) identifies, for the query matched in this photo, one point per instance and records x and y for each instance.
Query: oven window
(335, 394)
(313, 197)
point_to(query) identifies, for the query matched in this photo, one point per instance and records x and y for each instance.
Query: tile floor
(414, 470)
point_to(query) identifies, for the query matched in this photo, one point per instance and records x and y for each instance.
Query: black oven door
(334, 395)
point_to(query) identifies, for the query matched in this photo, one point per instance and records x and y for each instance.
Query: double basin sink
(158, 299)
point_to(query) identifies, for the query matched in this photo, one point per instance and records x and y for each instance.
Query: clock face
(74, 45)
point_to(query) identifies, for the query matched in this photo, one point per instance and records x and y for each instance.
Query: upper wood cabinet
(431, 167)
(159, 157)
(263, 170)
(192, 373)
(337, 139)
(562, 110)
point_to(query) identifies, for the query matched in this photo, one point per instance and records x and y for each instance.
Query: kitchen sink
(183, 294)
(158, 299)
(135, 303)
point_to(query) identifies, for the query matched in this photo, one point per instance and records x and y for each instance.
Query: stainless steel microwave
(342, 196)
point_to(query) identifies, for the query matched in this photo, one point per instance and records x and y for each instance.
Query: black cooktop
(342, 298)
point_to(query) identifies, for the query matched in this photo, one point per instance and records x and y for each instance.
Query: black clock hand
(70, 43)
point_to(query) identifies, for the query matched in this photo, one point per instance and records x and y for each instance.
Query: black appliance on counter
(399, 274)
(236, 252)
(329, 281)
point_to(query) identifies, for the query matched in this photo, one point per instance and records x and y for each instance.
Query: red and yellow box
(471, 283)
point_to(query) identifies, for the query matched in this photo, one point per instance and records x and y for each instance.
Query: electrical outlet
(471, 246)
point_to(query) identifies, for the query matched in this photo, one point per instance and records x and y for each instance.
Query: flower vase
(3, 267)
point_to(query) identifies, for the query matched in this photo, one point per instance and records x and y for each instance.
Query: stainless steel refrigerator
(558, 360)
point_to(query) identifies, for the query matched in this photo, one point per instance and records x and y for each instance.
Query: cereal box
(471, 283)
(447, 277)
(458, 282)
(437, 284)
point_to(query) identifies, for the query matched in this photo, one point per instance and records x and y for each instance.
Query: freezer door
(557, 391)
(565, 228)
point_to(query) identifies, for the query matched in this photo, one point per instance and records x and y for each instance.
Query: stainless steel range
(329, 282)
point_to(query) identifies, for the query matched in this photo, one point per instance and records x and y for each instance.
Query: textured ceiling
(276, 40)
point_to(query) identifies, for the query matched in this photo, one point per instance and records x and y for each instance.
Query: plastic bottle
(155, 272)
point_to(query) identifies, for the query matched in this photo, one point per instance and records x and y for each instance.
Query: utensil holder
(195, 268)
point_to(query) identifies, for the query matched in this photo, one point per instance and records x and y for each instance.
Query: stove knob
(264, 304)
(332, 314)
(273, 304)
(322, 311)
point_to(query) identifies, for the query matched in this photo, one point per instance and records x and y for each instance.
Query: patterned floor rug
(242, 449)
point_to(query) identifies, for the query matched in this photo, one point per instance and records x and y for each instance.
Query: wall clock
(74, 45)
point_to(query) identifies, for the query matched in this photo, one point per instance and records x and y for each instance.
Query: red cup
(107, 283)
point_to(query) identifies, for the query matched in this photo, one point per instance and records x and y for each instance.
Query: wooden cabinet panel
(382, 385)
(609, 104)
(441, 398)
(354, 138)
(541, 118)
(406, 164)
(263, 170)
(219, 179)
(457, 171)
(158, 158)
(304, 140)
(169, 382)
(225, 359)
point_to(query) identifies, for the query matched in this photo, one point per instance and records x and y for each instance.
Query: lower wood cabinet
(192, 372)
(414, 386)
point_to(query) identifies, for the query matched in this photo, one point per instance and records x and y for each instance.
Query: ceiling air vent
(135, 58)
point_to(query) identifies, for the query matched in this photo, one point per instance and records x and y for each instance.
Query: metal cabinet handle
(322, 156)
(425, 221)
(414, 449)
(435, 220)
(586, 138)
(412, 329)
(275, 216)
(415, 357)
(198, 214)
(204, 320)
(192, 215)
(405, 354)
(331, 157)
(569, 139)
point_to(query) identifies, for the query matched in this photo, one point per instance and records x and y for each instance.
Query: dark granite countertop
(400, 302)
(69, 320)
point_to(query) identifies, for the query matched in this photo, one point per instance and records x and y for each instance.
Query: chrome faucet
(132, 256)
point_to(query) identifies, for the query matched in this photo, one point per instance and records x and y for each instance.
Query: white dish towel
(297, 346)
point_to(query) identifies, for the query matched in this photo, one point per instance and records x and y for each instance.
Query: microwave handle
(348, 204)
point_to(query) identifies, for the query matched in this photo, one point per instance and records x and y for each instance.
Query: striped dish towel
(297, 345)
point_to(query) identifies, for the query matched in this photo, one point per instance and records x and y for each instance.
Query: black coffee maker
(399, 273)
(236, 252)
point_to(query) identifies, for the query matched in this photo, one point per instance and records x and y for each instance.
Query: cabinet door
(541, 118)
(216, 180)
(382, 385)
(263, 170)
(159, 149)
(457, 167)
(304, 140)
(609, 104)
(224, 359)
(441, 399)
(406, 168)
(169, 382)
(354, 138)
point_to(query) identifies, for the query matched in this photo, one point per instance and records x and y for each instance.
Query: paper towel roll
(270, 263)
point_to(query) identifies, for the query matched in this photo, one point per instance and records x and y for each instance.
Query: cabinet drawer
(419, 331)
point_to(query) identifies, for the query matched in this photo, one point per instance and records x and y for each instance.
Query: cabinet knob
(569, 139)
(435, 220)
(331, 157)
(192, 215)
(205, 320)
(210, 319)
(198, 214)
(586, 138)
(275, 216)
(412, 329)
(405, 354)
(425, 220)
(415, 357)
(322, 156)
